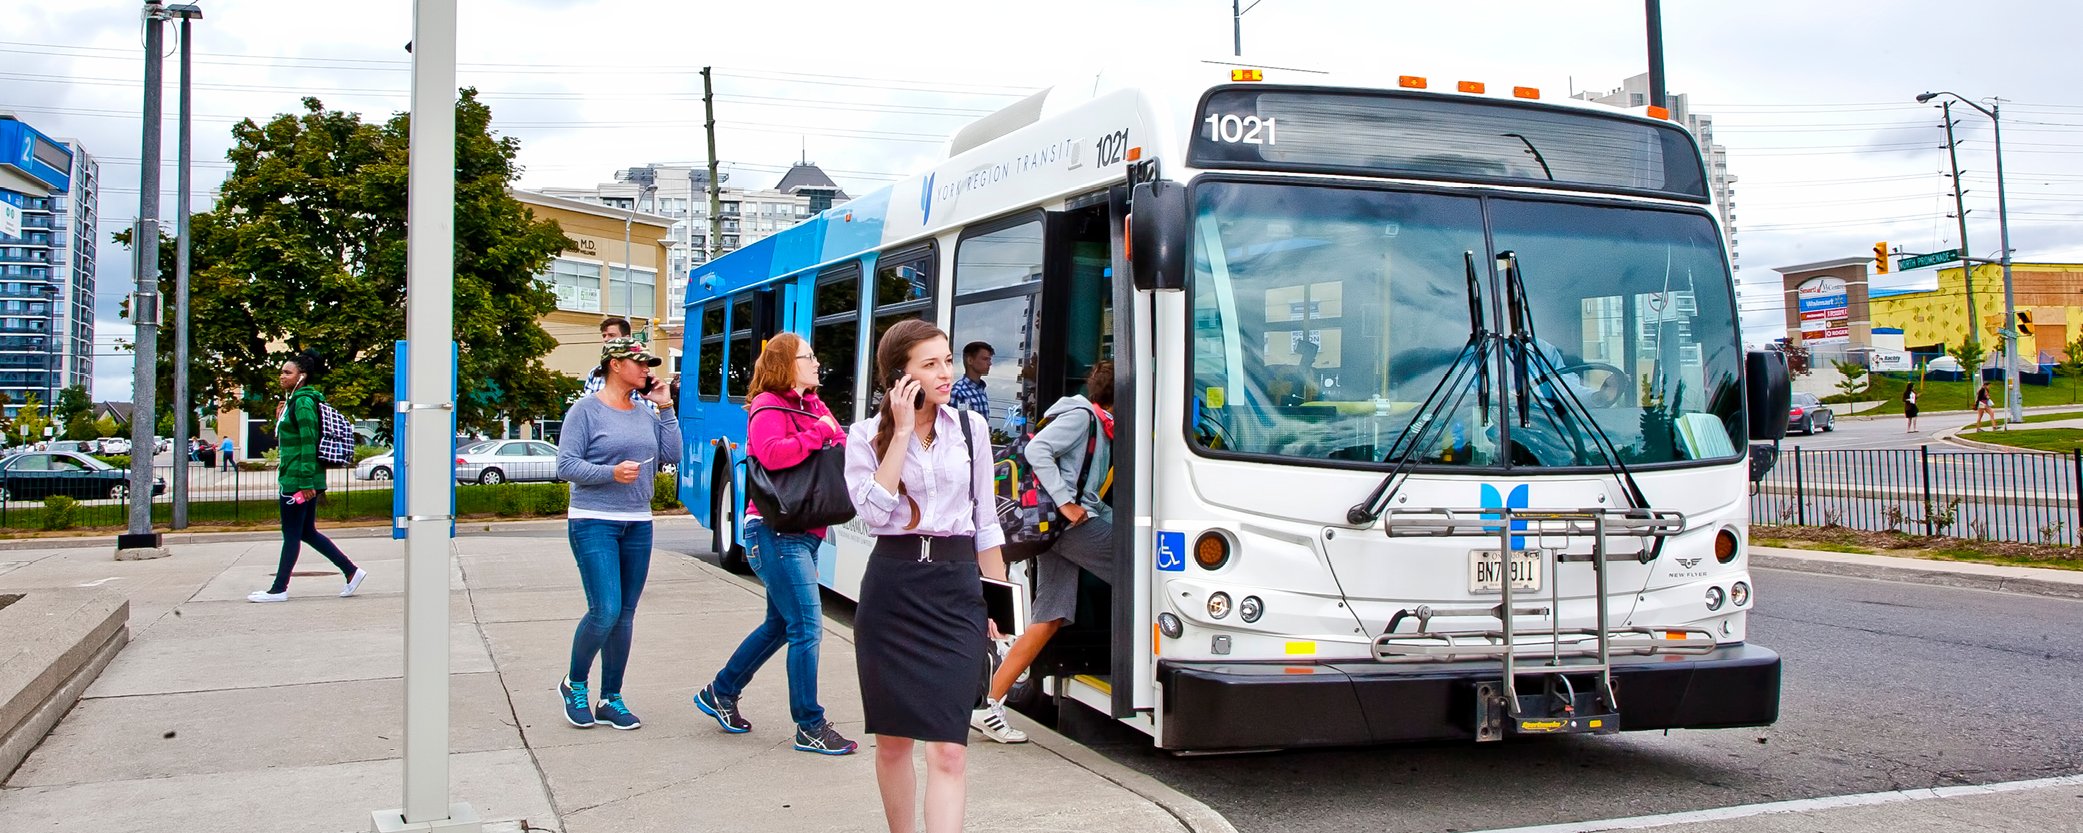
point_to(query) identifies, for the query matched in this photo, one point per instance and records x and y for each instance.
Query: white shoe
(990, 720)
(354, 583)
(265, 596)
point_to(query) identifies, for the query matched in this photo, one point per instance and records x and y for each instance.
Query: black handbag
(802, 497)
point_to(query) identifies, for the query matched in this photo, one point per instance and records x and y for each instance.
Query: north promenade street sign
(1933, 259)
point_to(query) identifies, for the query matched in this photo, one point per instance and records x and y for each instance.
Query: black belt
(926, 549)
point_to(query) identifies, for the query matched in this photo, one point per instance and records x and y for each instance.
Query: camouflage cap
(628, 348)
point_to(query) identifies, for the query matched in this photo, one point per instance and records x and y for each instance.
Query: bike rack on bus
(1552, 534)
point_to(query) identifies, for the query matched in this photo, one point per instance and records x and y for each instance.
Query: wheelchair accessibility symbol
(1171, 551)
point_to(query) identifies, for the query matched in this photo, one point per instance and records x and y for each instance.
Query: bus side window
(904, 285)
(708, 363)
(741, 349)
(835, 328)
(998, 299)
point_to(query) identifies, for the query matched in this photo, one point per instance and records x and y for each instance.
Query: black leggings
(299, 527)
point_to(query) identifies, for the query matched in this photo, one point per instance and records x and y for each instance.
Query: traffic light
(1880, 258)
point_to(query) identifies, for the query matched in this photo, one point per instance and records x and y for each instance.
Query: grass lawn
(1839, 539)
(1959, 396)
(2037, 439)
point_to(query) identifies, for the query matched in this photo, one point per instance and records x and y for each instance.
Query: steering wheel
(1612, 391)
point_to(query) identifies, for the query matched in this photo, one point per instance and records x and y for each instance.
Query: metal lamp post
(2003, 225)
(183, 414)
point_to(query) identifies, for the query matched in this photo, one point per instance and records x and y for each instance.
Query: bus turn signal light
(1211, 550)
(1247, 75)
(1411, 82)
(1725, 546)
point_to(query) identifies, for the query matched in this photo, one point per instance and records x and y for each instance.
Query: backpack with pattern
(1028, 516)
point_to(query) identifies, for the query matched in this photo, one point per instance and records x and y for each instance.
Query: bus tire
(729, 553)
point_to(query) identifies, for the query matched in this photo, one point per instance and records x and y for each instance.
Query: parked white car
(498, 461)
(380, 467)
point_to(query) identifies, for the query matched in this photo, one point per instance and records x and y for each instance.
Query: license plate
(1484, 567)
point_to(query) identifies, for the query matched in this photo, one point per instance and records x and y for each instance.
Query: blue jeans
(787, 564)
(614, 557)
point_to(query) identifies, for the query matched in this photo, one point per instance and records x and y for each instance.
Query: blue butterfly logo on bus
(926, 201)
(1516, 499)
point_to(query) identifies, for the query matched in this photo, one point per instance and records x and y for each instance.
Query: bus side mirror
(1157, 232)
(1769, 393)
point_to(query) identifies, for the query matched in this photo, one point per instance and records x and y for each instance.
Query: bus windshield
(1324, 317)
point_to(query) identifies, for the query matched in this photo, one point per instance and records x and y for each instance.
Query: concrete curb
(1191, 813)
(2030, 580)
(175, 539)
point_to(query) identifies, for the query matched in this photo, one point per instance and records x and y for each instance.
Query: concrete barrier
(57, 642)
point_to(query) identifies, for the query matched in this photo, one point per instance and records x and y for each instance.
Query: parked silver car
(498, 461)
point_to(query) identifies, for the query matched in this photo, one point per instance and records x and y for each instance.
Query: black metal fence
(2026, 497)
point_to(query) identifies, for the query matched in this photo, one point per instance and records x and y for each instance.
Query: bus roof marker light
(1411, 82)
(1656, 112)
(1241, 75)
(1135, 154)
(1470, 86)
(1526, 92)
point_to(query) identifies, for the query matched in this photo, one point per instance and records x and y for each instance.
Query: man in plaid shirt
(968, 392)
(612, 328)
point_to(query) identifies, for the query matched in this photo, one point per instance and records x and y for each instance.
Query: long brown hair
(891, 355)
(775, 369)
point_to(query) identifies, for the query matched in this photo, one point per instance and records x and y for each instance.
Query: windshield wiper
(1404, 449)
(1526, 349)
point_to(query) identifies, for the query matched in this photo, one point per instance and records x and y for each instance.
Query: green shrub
(666, 494)
(272, 455)
(57, 512)
(256, 465)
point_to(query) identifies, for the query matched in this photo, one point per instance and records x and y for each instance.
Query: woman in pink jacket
(788, 423)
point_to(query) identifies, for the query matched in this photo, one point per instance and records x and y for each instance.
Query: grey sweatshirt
(596, 437)
(1057, 452)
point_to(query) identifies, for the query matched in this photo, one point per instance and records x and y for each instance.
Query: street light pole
(141, 541)
(187, 14)
(2003, 225)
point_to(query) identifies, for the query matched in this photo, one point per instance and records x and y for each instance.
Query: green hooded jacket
(298, 431)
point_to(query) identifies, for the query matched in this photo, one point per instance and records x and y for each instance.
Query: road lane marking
(1796, 806)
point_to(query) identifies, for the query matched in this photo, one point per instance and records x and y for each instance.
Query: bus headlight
(1715, 597)
(1740, 593)
(1250, 609)
(1170, 626)
(1219, 605)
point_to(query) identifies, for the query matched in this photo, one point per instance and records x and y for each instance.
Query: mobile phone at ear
(918, 401)
(649, 383)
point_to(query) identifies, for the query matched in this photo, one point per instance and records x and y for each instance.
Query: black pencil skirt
(919, 638)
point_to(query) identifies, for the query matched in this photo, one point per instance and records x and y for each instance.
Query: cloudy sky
(1812, 100)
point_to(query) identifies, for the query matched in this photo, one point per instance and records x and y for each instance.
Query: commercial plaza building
(48, 209)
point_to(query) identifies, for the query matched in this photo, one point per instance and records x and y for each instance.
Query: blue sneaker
(576, 708)
(616, 714)
(825, 741)
(724, 709)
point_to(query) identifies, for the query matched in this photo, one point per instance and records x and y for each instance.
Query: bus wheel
(730, 553)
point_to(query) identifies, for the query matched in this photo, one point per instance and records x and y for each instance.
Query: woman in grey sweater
(610, 452)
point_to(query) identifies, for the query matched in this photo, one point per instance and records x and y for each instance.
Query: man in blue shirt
(968, 392)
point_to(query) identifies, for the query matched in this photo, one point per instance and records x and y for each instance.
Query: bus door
(702, 385)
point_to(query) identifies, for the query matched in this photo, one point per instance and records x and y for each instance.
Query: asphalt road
(1878, 432)
(1887, 686)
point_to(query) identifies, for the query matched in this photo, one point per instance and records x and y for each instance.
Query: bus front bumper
(1260, 705)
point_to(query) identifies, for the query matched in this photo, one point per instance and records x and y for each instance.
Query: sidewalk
(2022, 806)
(2040, 581)
(227, 715)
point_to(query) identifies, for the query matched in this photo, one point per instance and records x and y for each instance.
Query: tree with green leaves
(306, 251)
(1969, 354)
(105, 426)
(75, 411)
(29, 420)
(1854, 381)
(2071, 366)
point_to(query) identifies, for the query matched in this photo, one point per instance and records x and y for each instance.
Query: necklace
(926, 442)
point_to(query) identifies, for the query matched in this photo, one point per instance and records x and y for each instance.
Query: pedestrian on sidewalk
(1078, 438)
(609, 452)
(303, 480)
(224, 455)
(1909, 407)
(920, 475)
(788, 424)
(1984, 407)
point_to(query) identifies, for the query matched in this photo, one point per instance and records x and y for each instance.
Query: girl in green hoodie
(303, 480)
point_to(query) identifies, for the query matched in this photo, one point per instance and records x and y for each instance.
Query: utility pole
(1967, 267)
(1653, 12)
(1237, 23)
(141, 541)
(2010, 299)
(188, 14)
(428, 415)
(715, 187)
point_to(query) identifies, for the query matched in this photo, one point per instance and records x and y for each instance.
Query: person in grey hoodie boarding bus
(610, 452)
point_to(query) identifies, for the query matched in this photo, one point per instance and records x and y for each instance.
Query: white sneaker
(265, 596)
(990, 720)
(354, 583)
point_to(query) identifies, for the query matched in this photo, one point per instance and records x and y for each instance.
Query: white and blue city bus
(1431, 407)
